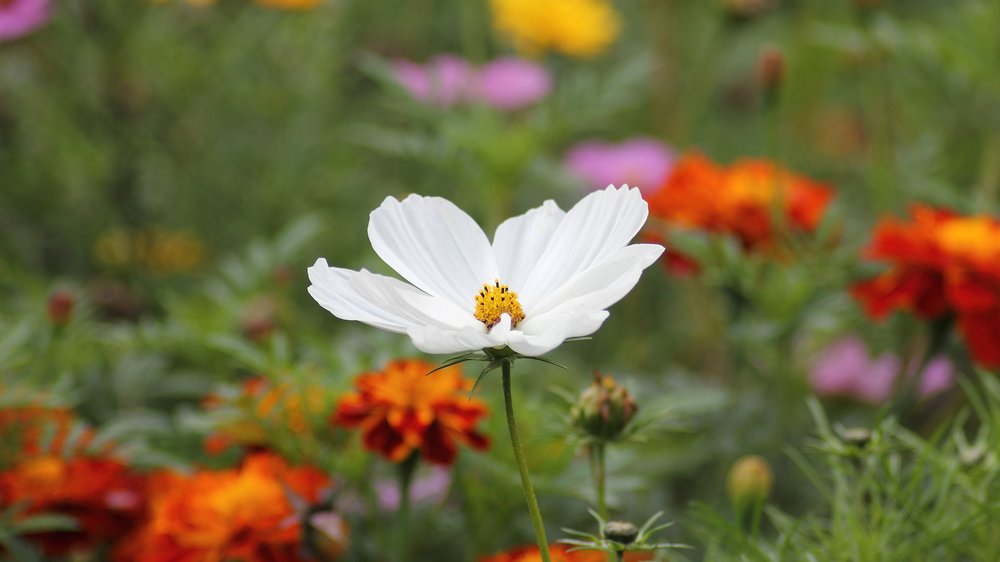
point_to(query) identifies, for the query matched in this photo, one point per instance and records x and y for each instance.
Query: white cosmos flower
(563, 270)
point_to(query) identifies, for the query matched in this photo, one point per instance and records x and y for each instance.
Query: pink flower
(847, 370)
(511, 83)
(937, 376)
(639, 161)
(431, 487)
(21, 17)
(507, 84)
(445, 80)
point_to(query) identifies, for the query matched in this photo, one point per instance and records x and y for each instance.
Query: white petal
(431, 339)
(435, 246)
(582, 323)
(519, 242)
(600, 224)
(600, 285)
(410, 302)
(377, 300)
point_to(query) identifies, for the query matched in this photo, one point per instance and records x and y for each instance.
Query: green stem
(402, 539)
(598, 467)
(522, 468)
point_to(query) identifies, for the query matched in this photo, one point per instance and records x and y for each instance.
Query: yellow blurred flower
(290, 4)
(580, 28)
(160, 252)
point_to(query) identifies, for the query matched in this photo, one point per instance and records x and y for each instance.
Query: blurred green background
(175, 168)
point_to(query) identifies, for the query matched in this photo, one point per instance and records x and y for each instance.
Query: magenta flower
(847, 370)
(639, 161)
(511, 83)
(507, 84)
(21, 17)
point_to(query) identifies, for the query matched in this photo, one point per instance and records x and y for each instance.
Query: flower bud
(621, 531)
(770, 71)
(749, 481)
(604, 409)
(259, 320)
(744, 10)
(61, 305)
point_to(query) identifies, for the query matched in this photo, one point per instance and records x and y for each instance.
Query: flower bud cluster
(604, 409)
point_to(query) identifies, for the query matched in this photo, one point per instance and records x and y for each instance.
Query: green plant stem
(401, 541)
(522, 468)
(598, 467)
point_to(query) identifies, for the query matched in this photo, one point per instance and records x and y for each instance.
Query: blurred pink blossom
(846, 369)
(506, 83)
(21, 17)
(937, 376)
(428, 488)
(511, 83)
(640, 161)
(445, 80)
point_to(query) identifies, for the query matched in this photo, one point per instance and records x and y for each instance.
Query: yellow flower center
(976, 238)
(43, 472)
(495, 300)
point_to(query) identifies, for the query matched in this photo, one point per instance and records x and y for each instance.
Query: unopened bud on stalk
(604, 409)
(61, 305)
(259, 320)
(742, 10)
(621, 531)
(770, 71)
(749, 482)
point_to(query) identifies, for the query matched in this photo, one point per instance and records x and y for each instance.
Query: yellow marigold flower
(581, 28)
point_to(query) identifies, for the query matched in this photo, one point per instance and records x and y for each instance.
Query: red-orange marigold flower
(560, 553)
(402, 409)
(102, 495)
(214, 516)
(741, 200)
(44, 471)
(941, 263)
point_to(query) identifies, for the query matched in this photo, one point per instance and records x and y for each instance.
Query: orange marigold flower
(102, 495)
(560, 553)
(214, 516)
(402, 410)
(261, 406)
(47, 471)
(941, 264)
(742, 199)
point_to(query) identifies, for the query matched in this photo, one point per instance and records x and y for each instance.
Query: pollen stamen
(495, 300)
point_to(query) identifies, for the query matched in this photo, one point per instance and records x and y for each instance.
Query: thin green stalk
(522, 467)
(598, 467)
(401, 542)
